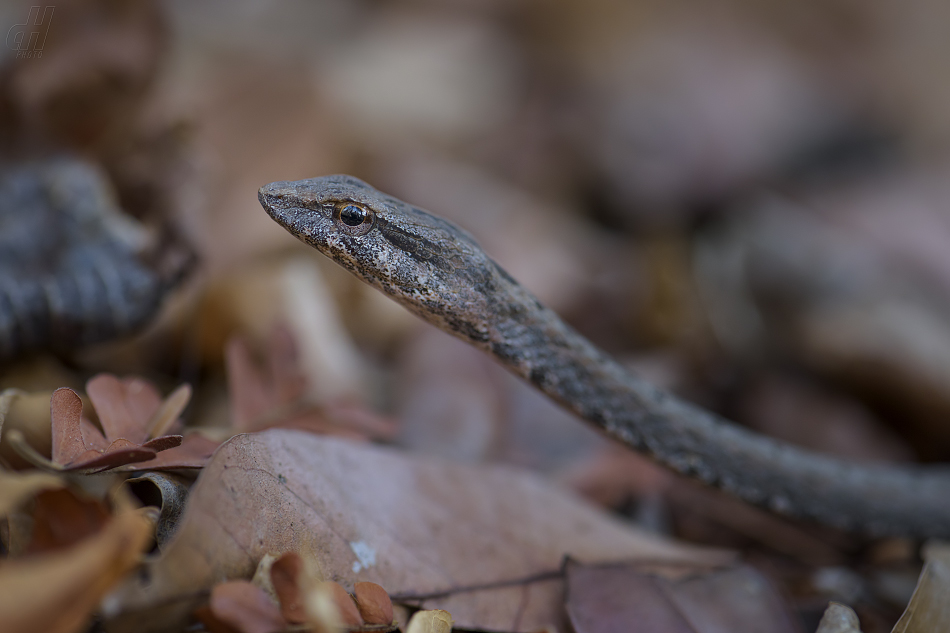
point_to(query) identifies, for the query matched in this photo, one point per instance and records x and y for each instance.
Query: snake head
(429, 265)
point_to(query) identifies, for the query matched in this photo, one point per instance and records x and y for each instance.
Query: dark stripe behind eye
(420, 249)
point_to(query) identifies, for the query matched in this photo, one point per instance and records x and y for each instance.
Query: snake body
(73, 270)
(439, 272)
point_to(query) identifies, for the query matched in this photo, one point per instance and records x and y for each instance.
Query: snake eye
(354, 219)
(352, 215)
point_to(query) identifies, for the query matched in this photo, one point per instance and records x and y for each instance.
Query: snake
(439, 272)
(74, 269)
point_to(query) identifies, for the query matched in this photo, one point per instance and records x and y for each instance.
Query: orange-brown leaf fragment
(285, 575)
(373, 602)
(57, 592)
(246, 608)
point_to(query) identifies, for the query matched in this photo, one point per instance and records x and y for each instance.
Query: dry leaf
(434, 621)
(603, 599)
(929, 608)
(418, 527)
(285, 575)
(62, 519)
(194, 452)
(127, 409)
(168, 493)
(246, 608)
(77, 445)
(56, 592)
(373, 602)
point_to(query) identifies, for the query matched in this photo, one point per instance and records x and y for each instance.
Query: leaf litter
(134, 420)
(439, 533)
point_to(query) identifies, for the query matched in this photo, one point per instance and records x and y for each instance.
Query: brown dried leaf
(69, 449)
(285, 576)
(246, 608)
(194, 452)
(62, 519)
(91, 436)
(66, 411)
(373, 602)
(126, 408)
(56, 592)
(415, 526)
(929, 609)
(603, 599)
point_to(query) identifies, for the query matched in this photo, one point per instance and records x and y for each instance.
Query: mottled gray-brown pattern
(71, 271)
(438, 271)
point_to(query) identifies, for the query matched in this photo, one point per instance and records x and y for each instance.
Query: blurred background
(746, 202)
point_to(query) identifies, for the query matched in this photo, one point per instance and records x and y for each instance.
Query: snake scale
(439, 272)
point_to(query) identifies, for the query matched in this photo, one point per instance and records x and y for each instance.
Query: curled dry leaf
(57, 592)
(373, 602)
(434, 621)
(424, 529)
(166, 491)
(127, 410)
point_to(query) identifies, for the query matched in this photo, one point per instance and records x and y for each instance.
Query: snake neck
(534, 343)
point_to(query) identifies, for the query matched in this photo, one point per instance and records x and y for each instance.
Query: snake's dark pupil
(352, 215)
